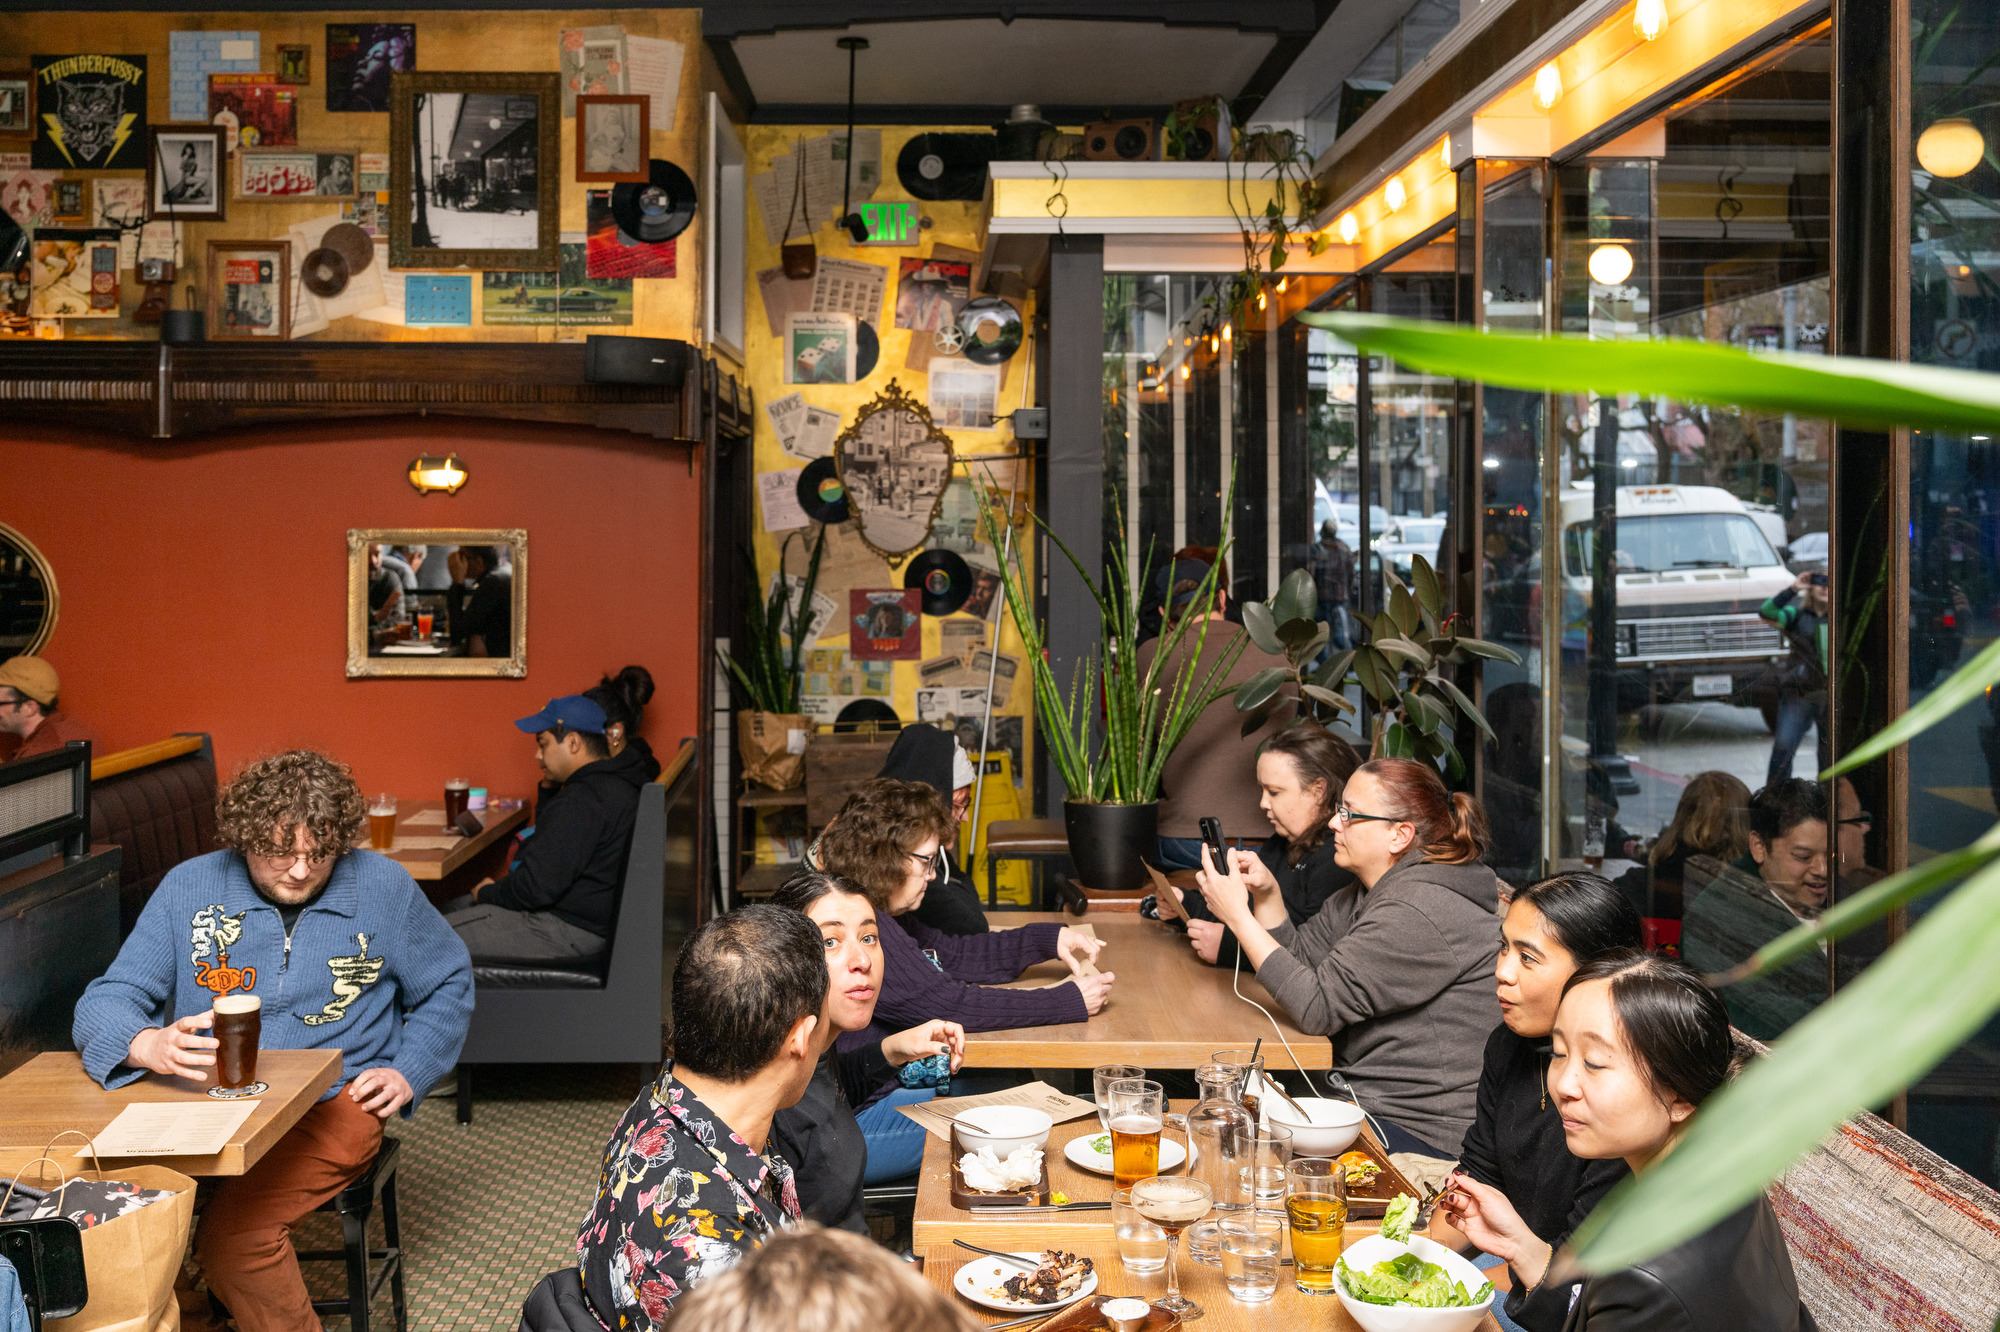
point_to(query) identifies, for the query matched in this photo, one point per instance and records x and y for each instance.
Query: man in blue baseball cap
(557, 902)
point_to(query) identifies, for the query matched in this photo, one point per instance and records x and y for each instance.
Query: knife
(1043, 1207)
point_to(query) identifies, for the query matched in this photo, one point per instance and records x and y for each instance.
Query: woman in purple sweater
(886, 839)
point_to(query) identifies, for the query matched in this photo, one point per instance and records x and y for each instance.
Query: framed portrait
(249, 290)
(69, 202)
(184, 173)
(475, 171)
(295, 64)
(360, 60)
(17, 103)
(437, 602)
(612, 134)
(281, 174)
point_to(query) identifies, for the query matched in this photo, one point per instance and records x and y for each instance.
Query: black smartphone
(1211, 834)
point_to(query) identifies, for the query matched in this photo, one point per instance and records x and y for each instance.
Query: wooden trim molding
(143, 756)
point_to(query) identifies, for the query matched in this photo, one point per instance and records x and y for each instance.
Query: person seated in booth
(30, 721)
(345, 953)
(558, 900)
(480, 602)
(624, 697)
(688, 1186)
(1712, 819)
(923, 753)
(385, 586)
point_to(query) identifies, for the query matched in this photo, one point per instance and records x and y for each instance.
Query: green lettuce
(1396, 1221)
(1409, 1280)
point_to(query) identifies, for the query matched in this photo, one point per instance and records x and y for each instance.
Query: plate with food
(1092, 1151)
(1055, 1279)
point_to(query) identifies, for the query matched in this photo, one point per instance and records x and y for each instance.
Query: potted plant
(770, 733)
(1110, 760)
(1404, 670)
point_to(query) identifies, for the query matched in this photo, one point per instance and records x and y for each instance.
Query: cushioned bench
(155, 803)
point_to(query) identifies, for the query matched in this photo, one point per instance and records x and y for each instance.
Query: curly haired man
(344, 952)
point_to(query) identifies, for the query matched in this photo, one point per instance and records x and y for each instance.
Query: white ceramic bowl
(1004, 1128)
(1365, 1253)
(1331, 1129)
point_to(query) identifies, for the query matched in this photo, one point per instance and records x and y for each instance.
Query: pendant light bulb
(1548, 86)
(1349, 228)
(1649, 19)
(1610, 265)
(1392, 194)
(1226, 332)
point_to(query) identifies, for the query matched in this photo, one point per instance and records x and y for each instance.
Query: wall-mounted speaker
(609, 359)
(1120, 141)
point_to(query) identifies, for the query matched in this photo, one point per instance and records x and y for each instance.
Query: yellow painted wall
(518, 41)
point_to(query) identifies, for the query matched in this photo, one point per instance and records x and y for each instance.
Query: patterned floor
(489, 1208)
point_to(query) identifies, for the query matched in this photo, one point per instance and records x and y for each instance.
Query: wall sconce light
(1392, 194)
(1349, 228)
(1548, 86)
(1649, 19)
(1281, 285)
(1262, 299)
(1610, 265)
(428, 473)
(1951, 147)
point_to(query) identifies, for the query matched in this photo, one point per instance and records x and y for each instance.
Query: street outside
(453, 230)
(1695, 738)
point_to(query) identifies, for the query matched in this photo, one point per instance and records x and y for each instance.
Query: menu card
(172, 1128)
(936, 1116)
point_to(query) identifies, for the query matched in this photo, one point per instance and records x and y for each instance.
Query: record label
(992, 330)
(821, 494)
(942, 577)
(658, 209)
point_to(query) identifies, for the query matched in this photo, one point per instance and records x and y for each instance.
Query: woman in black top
(819, 1135)
(1302, 771)
(1515, 1146)
(1639, 1043)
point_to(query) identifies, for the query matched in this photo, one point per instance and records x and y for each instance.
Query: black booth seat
(584, 975)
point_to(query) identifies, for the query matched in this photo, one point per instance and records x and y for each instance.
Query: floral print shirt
(681, 1197)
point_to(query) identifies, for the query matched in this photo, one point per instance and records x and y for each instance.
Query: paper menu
(171, 1128)
(935, 1116)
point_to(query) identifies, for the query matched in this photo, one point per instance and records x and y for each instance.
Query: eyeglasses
(934, 862)
(1864, 818)
(283, 863)
(1344, 815)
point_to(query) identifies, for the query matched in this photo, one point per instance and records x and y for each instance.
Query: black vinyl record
(324, 272)
(942, 578)
(820, 493)
(867, 349)
(655, 210)
(992, 330)
(946, 166)
(863, 710)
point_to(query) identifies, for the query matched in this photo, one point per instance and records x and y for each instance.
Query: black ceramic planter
(1106, 843)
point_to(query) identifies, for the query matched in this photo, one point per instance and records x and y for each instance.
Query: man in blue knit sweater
(344, 951)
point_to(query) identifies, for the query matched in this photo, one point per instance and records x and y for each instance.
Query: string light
(1610, 264)
(1951, 147)
(1392, 193)
(1649, 19)
(1226, 331)
(1185, 370)
(1548, 86)
(1349, 228)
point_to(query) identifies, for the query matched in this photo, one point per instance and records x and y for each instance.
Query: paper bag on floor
(130, 1261)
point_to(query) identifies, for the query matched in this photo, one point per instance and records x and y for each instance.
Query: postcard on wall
(885, 624)
(986, 595)
(75, 275)
(92, 110)
(963, 395)
(778, 500)
(848, 286)
(360, 57)
(26, 197)
(372, 171)
(819, 349)
(593, 63)
(257, 110)
(279, 176)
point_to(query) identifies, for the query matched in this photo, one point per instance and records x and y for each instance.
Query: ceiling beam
(742, 18)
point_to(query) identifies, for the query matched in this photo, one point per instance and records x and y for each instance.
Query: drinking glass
(1317, 1207)
(1101, 1079)
(1248, 1067)
(457, 792)
(1250, 1244)
(238, 1029)
(1138, 1111)
(1172, 1204)
(382, 822)
(1142, 1246)
(1259, 1175)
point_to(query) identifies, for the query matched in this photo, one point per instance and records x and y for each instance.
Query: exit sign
(890, 223)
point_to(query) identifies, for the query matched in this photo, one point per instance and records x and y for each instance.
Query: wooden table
(429, 852)
(51, 1093)
(1168, 1008)
(1287, 1311)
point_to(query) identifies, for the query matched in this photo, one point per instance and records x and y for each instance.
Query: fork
(1030, 1263)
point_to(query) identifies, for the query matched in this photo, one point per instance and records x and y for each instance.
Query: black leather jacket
(1736, 1275)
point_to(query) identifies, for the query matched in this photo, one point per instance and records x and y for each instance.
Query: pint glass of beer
(239, 1024)
(382, 822)
(456, 792)
(1138, 1112)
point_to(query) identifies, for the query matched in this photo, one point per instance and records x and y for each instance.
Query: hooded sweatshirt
(574, 864)
(1401, 977)
(923, 754)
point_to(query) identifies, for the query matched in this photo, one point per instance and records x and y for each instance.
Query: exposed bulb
(1610, 265)
(1184, 370)
(1349, 228)
(1226, 332)
(1392, 194)
(1548, 86)
(1649, 19)
(1281, 285)
(1262, 300)
(1951, 147)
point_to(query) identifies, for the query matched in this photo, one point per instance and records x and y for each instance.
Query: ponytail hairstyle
(1316, 755)
(1451, 827)
(1587, 916)
(1672, 1022)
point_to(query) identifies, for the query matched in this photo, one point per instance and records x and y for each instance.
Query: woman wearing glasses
(1396, 969)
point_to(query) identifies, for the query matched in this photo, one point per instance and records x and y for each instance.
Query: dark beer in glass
(239, 1025)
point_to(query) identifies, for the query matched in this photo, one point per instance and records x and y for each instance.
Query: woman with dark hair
(833, 1150)
(1515, 1147)
(1640, 1042)
(1394, 967)
(624, 697)
(1301, 774)
(926, 754)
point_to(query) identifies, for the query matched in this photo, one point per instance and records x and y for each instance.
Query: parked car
(578, 298)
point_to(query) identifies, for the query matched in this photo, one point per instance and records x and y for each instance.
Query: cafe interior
(673, 470)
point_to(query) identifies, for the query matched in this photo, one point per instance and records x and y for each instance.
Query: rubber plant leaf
(1263, 627)
(1256, 691)
(1429, 595)
(1297, 599)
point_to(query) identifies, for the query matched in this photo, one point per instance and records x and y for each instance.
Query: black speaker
(608, 359)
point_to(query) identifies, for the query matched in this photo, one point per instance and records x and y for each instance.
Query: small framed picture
(69, 200)
(278, 174)
(17, 102)
(249, 289)
(184, 173)
(295, 64)
(612, 136)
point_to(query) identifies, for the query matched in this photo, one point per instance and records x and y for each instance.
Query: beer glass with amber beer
(1138, 1111)
(239, 1025)
(382, 822)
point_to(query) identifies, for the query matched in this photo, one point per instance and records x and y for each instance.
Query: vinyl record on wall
(865, 710)
(351, 243)
(992, 330)
(820, 493)
(867, 349)
(946, 166)
(657, 210)
(942, 577)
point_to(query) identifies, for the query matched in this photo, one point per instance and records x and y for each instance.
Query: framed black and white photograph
(474, 171)
(611, 137)
(17, 102)
(69, 201)
(184, 173)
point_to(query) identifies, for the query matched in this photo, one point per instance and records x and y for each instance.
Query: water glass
(1259, 1175)
(1250, 1244)
(1142, 1245)
(1138, 1112)
(1101, 1079)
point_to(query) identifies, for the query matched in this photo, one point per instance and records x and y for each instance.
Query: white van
(1693, 566)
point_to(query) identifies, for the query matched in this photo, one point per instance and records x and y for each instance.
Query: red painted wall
(204, 586)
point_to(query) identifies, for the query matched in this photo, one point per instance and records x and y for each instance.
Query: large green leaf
(1262, 627)
(1297, 599)
(1256, 691)
(1872, 1039)
(1479, 647)
(1961, 687)
(1465, 705)
(1429, 595)
(1335, 669)
(1851, 389)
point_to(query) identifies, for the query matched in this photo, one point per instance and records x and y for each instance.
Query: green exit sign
(890, 223)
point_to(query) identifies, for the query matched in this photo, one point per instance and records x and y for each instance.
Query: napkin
(987, 1173)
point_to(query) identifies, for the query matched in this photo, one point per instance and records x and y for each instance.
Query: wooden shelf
(794, 798)
(763, 880)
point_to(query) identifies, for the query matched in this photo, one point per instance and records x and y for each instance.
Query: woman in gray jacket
(1398, 967)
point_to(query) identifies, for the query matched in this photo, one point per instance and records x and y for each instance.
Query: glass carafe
(1217, 1128)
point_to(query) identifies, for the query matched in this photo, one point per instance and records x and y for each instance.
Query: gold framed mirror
(437, 602)
(29, 601)
(894, 464)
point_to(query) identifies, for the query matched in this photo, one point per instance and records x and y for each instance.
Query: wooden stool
(1034, 840)
(354, 1204)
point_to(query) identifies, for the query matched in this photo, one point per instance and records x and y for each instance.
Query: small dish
(977, 1277)
(1084, 1155)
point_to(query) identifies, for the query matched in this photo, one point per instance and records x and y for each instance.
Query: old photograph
(474, 170)
(611, 134)
(184, 173)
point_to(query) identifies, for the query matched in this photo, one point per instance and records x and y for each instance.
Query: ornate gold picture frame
(449, 625)
(894, 464)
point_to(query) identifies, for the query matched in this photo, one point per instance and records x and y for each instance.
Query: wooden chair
(355, 1204)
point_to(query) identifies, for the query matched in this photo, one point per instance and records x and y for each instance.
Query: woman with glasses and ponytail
(1397, 968)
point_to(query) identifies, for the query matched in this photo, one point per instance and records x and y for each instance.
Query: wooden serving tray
(1372, 1202)
(965, 1198)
